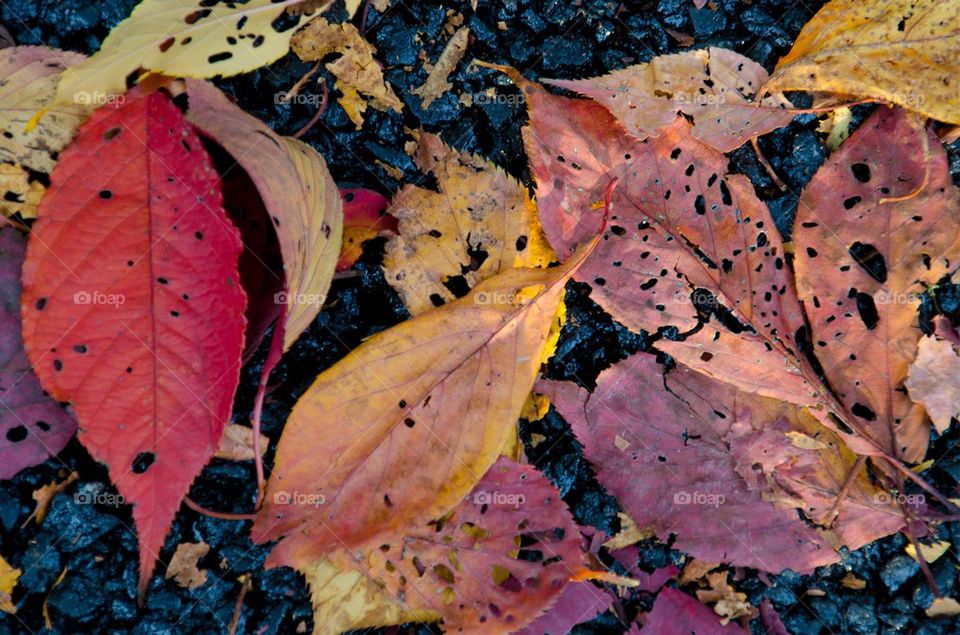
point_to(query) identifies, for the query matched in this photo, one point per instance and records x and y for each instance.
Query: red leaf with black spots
(132, 306)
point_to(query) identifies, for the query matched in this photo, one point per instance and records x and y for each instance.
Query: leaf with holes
(690, 252)
(480, 222)
(863, 258)
(900, 51)
(715, 87)
(502, 557)
(185, 38)
(400, 430)
(660, 444)
(33, 427)
(28, 76)
(132, 307)
(296, 188)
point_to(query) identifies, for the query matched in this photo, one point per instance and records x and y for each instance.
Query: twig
(322, 109)
(834, 511)
(273, 357)
(212, 514)
(924, 566)
(766, 165)
(238, 606)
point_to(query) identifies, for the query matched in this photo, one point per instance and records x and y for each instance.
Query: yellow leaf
(837, 125)
(931, 552)
(28, 77)
(479, 223)
(356, 71)
(411, 420)
(346, 600)
(901, 51)
(236, 444)
(183, 565)
(629, 534)
(8, 581)
(804, 442)
(18, 194)
(182, 38)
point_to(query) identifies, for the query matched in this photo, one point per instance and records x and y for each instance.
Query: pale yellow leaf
(931, 552)
(437, 81)
(183, 565)
(18, 194)
(182, 38)
(236, 444)
(943, 607)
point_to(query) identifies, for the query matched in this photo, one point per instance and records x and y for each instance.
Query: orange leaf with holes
(132, 307)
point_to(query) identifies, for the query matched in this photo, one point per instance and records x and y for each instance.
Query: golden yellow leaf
(8, 581)
(28, 77)
(356, 71)
(182, 38)
(901, 51)
(437, 84)
(479, 223)
(18, 194)
(410, 421)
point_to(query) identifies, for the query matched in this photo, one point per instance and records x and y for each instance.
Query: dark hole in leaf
(868, 310)
(863, 412)
(870, 259)
(142, 462)
(17, 434)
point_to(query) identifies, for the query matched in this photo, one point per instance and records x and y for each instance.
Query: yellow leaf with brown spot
(479, 223)
(18, 194)
(183, 38)
(901, 51)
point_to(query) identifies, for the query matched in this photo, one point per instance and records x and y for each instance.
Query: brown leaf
(43, 496)
(356, 71)
(437, 84)
(932, 381)
(715, 87)
(183, 565)
(237, 444)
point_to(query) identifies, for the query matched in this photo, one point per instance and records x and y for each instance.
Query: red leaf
(578, 603)
(32, 426)
(132, 305)
(676, 613)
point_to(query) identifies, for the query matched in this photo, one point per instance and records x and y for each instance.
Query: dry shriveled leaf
(8, 582)
(665, 455)
(943, 607)
(43, 496)
(437, 81)
(932, 381)
(183, 565)
(132, 307)
(716, 87)
(298, 191)
(497, 561)
(33, 427)
(182, 38)
(408, 422)
(862, 264)
(901, 51)
(237, 444)
(480, 222)
(18, 194)
(356, 71)
(28, 76)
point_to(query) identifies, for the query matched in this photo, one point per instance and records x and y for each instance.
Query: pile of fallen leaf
(156, 235)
